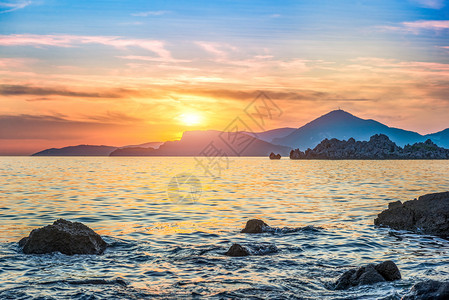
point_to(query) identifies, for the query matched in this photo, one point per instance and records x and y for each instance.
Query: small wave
(261, 249)
(286, 230)
(95, 281)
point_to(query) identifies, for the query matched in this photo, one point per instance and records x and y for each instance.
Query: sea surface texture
(169, 223)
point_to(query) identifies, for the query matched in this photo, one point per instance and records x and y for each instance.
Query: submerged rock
(429, 214)
(429, 289)
(237, 250)
(275, 156)
(63, 236)
(255, 226)
(257, 249)
(369, 274)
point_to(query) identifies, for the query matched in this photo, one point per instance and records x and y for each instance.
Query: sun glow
(190, 119)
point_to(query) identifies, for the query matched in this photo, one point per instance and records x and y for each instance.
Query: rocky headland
(378, 147)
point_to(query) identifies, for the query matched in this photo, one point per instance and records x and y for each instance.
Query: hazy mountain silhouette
(80, 150)
(337, 124)
(342, 125)
(153, 145)
(91, 150)
(209, 143)
(269, 135)
(440, 138)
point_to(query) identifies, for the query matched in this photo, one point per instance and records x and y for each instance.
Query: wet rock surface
(252, 249)
(429, 214)
(428, 290)
(378, 147)
(63, 236)
(237, 250)
(255, 226)
(369, 274)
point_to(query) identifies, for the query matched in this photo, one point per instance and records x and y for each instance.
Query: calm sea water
(172, 247)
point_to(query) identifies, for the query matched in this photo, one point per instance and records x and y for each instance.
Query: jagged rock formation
(275, 156)
(63, 236)
(378, 147)
(428, 214)
(369, 274)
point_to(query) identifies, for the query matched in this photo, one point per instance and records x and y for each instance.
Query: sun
(190, 119)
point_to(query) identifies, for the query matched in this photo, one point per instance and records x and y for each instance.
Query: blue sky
(295, 24)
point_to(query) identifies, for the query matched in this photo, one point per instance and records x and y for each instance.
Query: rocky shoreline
(378, 147)
(428, 214)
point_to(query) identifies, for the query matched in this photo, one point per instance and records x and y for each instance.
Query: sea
(169, 220)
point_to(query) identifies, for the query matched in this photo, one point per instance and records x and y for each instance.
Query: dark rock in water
(369, 274)
(64, 236)
(429, 214)
(388, 270)
(237, 250)
(257, 249)
(428, 290)
(275, 156)
(255, 226)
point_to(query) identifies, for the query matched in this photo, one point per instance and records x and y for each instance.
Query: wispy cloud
(435, 4)
(154, 59)
(9, 6)
(16, 62)
(220, 50)
(150, 13)
(18, 90)
(431, 25)
(418, 26)
(35, 40)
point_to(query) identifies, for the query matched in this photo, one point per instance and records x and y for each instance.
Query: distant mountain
(269, 135)
(153, 145)
(342, 125)
(209, 143)
(440, 138)
(80, 150)
(133, 151)
(337, 124)
(92, 150)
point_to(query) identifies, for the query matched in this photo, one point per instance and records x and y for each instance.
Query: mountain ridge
(337, 124)
(342, 125)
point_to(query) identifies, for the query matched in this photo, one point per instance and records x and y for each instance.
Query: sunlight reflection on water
(159, 243)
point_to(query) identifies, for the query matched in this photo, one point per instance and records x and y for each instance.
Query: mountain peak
(343, 125)
(338, 113)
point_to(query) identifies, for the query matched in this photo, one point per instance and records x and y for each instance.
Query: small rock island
(275, 156)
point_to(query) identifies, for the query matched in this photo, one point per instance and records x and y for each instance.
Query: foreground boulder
(429, 289)
(369, 274)
(429, 214)
(237, 250)
(63, 236)
(255, 226)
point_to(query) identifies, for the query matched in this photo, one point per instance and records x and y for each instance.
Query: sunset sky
(129, 72)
